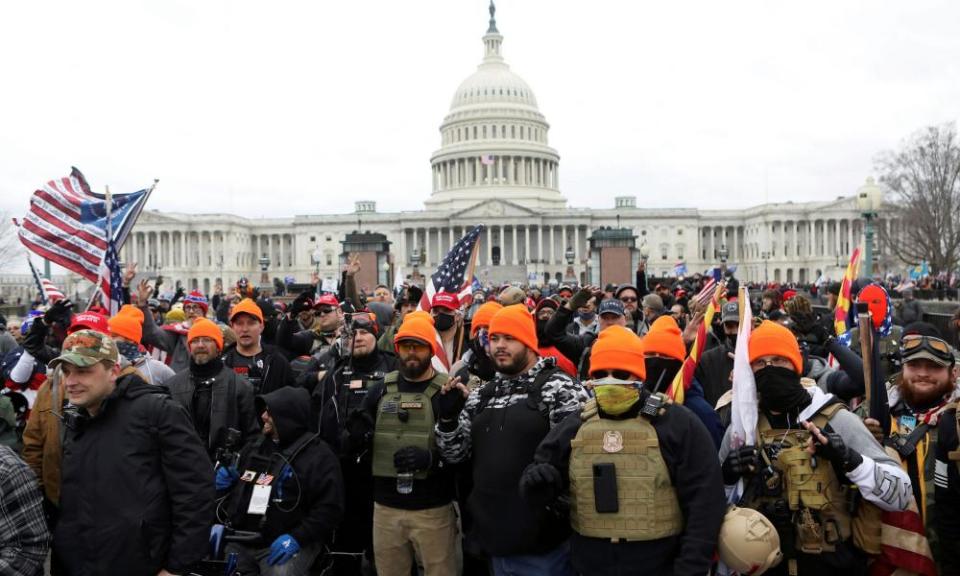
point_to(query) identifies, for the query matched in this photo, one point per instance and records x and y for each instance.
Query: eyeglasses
(324, 311)
(618, 374)
(626, 299)
(915, 343)
(203, 340)
(191, 307)
(778, 361)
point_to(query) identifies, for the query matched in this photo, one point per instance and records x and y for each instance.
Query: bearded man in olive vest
(413, 491)
(646, 494)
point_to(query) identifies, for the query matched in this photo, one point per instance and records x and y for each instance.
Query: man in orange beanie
(216, 397)
(672, 526)
(664, 351)
(800, 427)
(412, 490)
(476, 363)
(126, 328)
(265, 367)
(497, 431)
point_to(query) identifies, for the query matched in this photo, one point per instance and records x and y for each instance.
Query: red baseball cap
(89, 321)
(326, 300)
(446, 300)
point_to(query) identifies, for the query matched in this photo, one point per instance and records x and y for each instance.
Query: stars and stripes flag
(49, 293)
(684, 377)
(454, 275)
(705, 293)
(67, 223)
(841, 322)
(111, 280)
(680, 269)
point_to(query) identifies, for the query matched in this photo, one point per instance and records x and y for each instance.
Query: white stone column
(552, 245)
(540, 242)
(515, 252)
(526, 243)
(489, 261)
(576, 242)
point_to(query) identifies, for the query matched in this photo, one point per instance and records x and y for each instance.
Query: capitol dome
(494, 141)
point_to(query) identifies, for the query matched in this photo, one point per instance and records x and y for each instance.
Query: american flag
(454, 275)
(487, 159)
(49, 293)
(67, 223)
(704, 295)
(111, 282)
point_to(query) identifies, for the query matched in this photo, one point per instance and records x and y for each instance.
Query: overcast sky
(303, 107)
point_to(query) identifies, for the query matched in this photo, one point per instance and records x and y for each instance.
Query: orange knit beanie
(773, 339)
(618, 348)
(204, 327)
(417, 327)
(664, 338)
(247, 306)
(483, 315)
(126, 324)
(515, 321)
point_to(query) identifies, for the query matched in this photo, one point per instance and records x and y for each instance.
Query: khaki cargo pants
(401, 535)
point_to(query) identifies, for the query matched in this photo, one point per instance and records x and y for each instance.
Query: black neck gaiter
(779, 390)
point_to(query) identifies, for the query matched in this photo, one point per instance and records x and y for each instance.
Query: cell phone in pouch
(605, 488)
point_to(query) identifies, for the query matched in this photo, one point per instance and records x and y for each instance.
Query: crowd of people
(517, 431)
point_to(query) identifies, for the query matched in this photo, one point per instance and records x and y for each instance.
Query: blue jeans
(553, 563)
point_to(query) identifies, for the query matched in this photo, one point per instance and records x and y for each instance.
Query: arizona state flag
(684, 378)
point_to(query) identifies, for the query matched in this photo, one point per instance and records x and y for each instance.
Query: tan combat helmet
(748, 543)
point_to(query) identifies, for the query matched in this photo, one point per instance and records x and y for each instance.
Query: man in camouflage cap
(132, 462)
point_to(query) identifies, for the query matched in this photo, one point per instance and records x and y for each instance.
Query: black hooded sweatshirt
(307, 504)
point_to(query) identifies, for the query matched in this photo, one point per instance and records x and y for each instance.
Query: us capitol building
(495, 166)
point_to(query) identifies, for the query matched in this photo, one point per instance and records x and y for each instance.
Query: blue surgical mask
(587, 316)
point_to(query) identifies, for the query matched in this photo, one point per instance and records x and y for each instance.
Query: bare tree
(924, 179)
(10, 247)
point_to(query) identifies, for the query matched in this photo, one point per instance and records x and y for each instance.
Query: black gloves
(541, 483)
(357, 432)
(581, 298)
(449, 405)
(742, 461)
(412, 459)
(838, 453)
(302, 302)
(35, 340)
(60, 312)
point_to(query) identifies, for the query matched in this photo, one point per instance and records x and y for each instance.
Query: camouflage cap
(86, 348)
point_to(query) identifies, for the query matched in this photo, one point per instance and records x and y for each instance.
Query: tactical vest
(403, 419)
(647, 501)
(801, 490)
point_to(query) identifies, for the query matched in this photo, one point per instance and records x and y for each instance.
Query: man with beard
(171, 338)
(498, 430)
(334, 400)
(805, 433)
(628, 294)
(448, 319)
(216, 397)
(919, 399)
(664, 521)
(412, 489)
(715, 366)
(265, 368)
(664, 351)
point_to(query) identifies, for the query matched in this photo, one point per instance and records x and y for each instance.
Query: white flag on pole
(743, 421)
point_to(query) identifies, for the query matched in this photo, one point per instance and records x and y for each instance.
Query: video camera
(228, 455)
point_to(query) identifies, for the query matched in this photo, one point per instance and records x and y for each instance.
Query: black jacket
(695, 472)
(275, 372)
(307, 504)
(137, 487)
(225, 412)
(570, 345)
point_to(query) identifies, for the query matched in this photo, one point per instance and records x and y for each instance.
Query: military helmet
(748, 543)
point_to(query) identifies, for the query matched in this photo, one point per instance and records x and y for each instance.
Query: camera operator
(286, 486)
